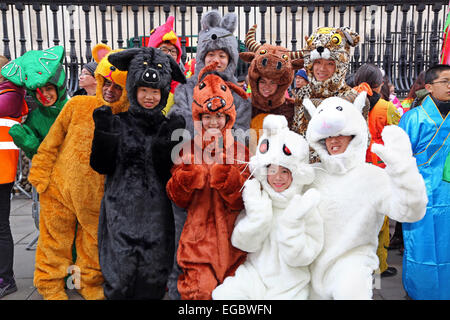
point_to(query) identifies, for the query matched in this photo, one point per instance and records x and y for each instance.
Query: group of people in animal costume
(292, 211)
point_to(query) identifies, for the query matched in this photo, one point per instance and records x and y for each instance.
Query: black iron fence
(403, 37)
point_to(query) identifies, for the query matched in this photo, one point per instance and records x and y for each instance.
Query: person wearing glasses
(86, 80)
(426, 259)
(165, 39)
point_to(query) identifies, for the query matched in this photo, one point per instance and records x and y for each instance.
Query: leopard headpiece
(328, 43)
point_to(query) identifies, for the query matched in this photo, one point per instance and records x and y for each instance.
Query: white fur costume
(283, 232)
(356, 195)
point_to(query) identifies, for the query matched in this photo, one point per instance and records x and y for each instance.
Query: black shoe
(7, 287)
(389, 272)
(395, 243)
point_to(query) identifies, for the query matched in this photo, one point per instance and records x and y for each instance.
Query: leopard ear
(351, 36)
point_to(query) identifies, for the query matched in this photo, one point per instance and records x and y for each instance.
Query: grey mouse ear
(210, 20)
(229, 22)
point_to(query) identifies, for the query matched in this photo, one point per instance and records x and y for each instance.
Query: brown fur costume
(71, 191)
(209, 189)
(277, 64)
(325, 43)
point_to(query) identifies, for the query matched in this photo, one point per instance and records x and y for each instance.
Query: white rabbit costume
(282, 232)
(356, 195)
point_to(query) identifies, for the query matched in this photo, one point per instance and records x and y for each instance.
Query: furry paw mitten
(191, 176)
(103, 119)
(225, 177)
(396, 152)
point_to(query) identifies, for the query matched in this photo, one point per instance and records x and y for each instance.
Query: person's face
(215, 122)
(148, 97)
(169, 49)
(111, 91)
(49, 94)
(217, 55)
(86, 79)
(440, 88)
(337, 145)
(300, 82)
(279, 177)
(323, 69)
(267, 87)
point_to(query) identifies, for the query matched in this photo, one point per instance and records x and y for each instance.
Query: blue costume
(426, 260)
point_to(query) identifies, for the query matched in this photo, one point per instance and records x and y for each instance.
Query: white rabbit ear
(360, 101)
(309, 106)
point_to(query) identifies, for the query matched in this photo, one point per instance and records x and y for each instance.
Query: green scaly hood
(36, 68)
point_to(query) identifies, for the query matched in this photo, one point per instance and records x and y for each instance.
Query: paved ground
(24, 231)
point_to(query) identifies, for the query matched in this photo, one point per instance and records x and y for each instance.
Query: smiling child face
(279, 177)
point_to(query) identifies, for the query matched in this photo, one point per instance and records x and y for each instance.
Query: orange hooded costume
(208, 182)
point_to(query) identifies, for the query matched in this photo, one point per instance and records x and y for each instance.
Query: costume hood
(273, 62)
(165, 33)
(338, 117)
(106, 70)
(328, 43)
(35, 68)
(213, 94)
(280, 146)
(217, 34)
(147, 67)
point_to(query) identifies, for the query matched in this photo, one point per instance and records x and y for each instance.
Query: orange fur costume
(71, 192)
(210, 191)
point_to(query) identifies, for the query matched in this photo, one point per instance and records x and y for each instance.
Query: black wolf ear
(176, 74)
(121, 60)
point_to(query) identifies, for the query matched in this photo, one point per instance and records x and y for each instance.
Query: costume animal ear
(247, 56)
(237, 89)
(210, 20)
(210, 67)
(176, 74)
(351, 36)
(297, 64)
(100, 51)
(121, 60)
(360, 101)
(310, 107)
(229, 22)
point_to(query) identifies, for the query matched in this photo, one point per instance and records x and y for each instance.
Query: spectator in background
(381, 113)
(416, 93)
(301, 79)
(387, 93)
(86, 80)
(11, 112)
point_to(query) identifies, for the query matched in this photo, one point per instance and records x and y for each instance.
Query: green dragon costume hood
(36, 68)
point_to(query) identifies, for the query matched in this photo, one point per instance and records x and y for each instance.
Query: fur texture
(356, 196)
(209, 190)
(216, 33)
(325, 43)
(136, 252)
(70, 193)
(283, 232)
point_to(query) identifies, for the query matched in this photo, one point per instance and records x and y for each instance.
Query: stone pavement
(24, 231)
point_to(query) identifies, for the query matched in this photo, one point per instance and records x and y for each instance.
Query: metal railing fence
(403, 37)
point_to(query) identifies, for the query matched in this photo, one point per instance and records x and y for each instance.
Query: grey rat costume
(136, 230)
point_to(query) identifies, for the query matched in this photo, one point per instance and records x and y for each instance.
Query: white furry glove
(301, 205)
(300, 231)
(253, 226)
(396, 152)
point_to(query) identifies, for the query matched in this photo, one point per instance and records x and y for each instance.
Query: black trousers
(6, 240)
